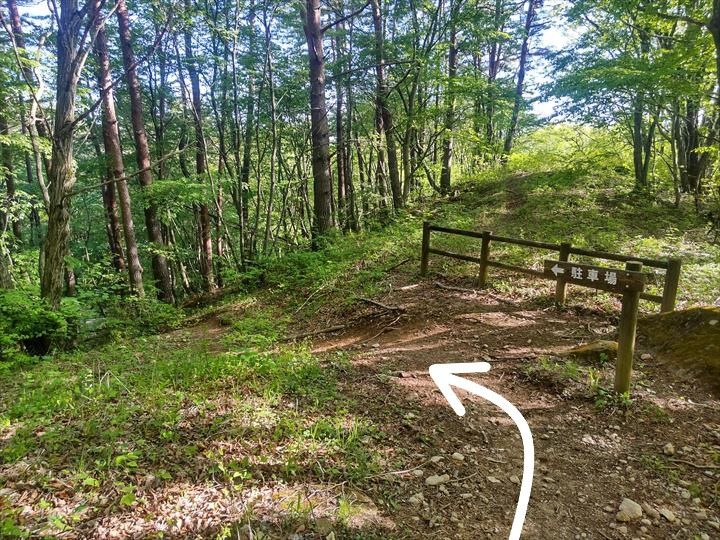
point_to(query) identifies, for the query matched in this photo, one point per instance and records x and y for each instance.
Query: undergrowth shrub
(140, 316)
(29, 327)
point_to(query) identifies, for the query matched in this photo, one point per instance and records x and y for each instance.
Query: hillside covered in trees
(214, 318)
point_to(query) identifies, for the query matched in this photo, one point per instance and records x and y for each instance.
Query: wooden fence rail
(565, 250)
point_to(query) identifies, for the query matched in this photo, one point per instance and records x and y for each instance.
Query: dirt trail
(587, 460)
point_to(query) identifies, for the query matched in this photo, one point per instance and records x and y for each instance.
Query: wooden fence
(565, 250)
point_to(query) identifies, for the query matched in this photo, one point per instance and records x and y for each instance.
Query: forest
(219, 299)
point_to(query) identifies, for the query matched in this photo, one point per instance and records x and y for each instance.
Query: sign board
(596, 277)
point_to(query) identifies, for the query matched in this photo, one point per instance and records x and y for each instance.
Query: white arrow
(445, 378)
(557, 270)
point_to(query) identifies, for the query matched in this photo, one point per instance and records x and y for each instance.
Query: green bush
(141, 316)
(29, 326)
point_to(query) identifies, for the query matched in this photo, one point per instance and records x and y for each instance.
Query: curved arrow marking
(445, 378)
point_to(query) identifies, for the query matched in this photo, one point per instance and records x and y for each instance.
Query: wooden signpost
(630, 283)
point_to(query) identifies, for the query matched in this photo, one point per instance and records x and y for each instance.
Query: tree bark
(322, 181)
(112, 223)
(204, 230)
(70, 61)
(161, 272)
(533, 5)
(450, 100)
(113, 152)
(383, 95)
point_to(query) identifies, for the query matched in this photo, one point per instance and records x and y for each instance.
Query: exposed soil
(587, 458)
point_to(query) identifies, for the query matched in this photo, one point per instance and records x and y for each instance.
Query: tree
(450, 99)
(320, 133)
(73, 33)
(530, 18)
(161, 272)
(386, 124)
(113, 151)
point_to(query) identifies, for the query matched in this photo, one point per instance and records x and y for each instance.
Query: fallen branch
(453, 288)
(398, 265)
(473, 291)
(696, 465)
(381, 332)
(382, 306)
(309, 297)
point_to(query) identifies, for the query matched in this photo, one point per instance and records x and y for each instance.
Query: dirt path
(587, 459)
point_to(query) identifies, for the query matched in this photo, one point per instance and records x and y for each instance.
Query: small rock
(646, 356)
(493, 480)
(375, 345)
(151, 481)
(514, 479)
(466, 495)
(713, 322)
(701, 515)
(646, 521)
(418, 473)
(435, 459)
(629, 510)
(667, 514)
(457, 456)
(669, 449)
(417, 499)
(650, 511)
(436, 480)
(330, 536)
(622, 529)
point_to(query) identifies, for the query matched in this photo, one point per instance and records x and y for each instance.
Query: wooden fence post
(672, 280)
(484, 256)
(425, 248)
(561, 284)
(626, 337)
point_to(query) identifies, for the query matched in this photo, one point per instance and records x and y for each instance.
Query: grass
(101, 423)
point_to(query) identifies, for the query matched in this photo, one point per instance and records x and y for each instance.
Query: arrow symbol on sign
(445, 377)
(557, 270)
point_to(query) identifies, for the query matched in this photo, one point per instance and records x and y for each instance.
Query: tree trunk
(383, 95)
(244, 183)
(112, 223)
(322, 181)
(446, 170)
(113, 152)
(161, 272)
(30, 123)
(61, 174)
(340, 146)
(9, 174)
(273, 134)
(204, 231)
(524, 50)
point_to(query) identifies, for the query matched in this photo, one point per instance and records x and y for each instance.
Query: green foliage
(578, 149)
(133, 316)
(605, 398)
(29, 326)
(259, 328)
